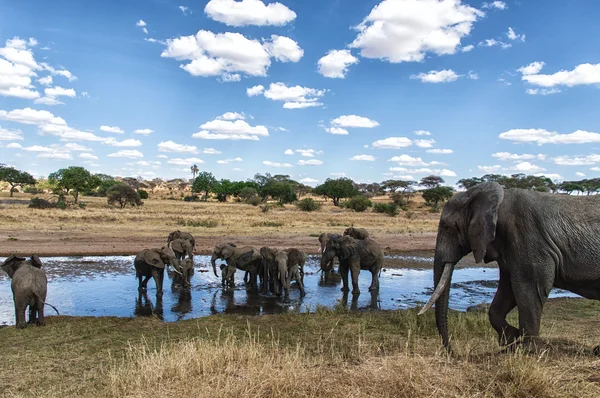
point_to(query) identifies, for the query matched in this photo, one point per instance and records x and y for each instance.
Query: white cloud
(511, 156)
(88, 156)
(283, 49)
(368, 158)
(424, 143)
(59, 91)
(526, 167)
(221, 129)
(354, 121)
(440, 151)
(442, 76)
(184, 9)
(512, 35)
(140, 23)
(335, 63)
(336, 130)
(143, 131)
(162, 156)
(58, 72)
(224, 54)
(125, 143)
(45, 81)
(288, 152)
(542, 91)
(472, 75)
(338, 174)
(404, 31)
(577, 161)
(500, 5)
(294, 97)
(211, 151)
(422, 132)
(275, 164)
(249, 12)
(425, 170)
(310, 162)
(58, 155)
(227, 161)
(407, 160)
(552, 176)
(393, 143)
(48, 101)
(10, 135)
(308, 152)
(468, 48)
(127, 153)
(170, 146)
(231, 116)
(256, 90)
(111, 129)
(494, 43)
(489, 169)
(17, 67)
(580, 174)
(185, 162)
(582, 74)
(541, 136)
(308, 181)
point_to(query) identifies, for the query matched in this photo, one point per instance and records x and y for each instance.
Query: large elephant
(182, 248)
(357, 233)
(323, 239)
(29, 286)
(186, 270)
(269, 268)
(354, 255)
(151, 263)
(297, 257)
(289, 265)
(246, 258)
(182, 235)
(540, 241)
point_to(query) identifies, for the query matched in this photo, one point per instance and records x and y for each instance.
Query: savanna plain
(332, 352)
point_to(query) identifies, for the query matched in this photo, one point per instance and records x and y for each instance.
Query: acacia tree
(204, 183)
(123, 194)
(15, 178)
(74, 178)
(432, 181)
(337, 189)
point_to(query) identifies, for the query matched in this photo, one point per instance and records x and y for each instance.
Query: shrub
(247, 192)
(208, 223)
(268, 224)
(192, 198)
(39, 203)
(143, 194)
(254, 200)
(82, 205)
(308, 204)
(32, 190)
(358, 203)
(266, 207)
(123, 195)
(391, 209)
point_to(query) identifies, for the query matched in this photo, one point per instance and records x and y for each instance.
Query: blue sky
(367, 89)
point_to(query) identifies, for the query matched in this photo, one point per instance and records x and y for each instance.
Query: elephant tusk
(441, 287)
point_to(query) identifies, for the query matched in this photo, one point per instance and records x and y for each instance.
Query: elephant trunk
(213, 260)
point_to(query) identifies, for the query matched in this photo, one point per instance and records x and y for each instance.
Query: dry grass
(331, 353)
(156, 217)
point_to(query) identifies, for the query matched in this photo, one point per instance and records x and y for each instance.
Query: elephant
(289, 264)
(354, 255)
(246, 258)
(151, 263)
(182, 235)
(29, 286)
(357, 233)
(540, 241)
(269, 268)
(227, 275)
(182, 248)
(297, 257)
(186, 269)
(323, 239)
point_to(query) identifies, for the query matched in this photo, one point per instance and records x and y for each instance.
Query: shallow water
(106, 286)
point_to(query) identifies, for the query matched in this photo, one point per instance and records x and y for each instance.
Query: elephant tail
(45, 303)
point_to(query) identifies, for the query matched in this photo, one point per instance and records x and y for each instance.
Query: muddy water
(106, 286)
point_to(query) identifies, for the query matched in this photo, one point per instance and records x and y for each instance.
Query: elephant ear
(227, 251)
(177, 245)
(348, 247)
(485, 199)
(152, 257)
(35, 261)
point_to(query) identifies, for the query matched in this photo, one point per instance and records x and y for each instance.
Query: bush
(39, 203)
(308, 204)
(192, 198)
(208, 223)
(32, 190)
(254, 200)
(358, 203)
(266, 207)
(143, 194)
(247, 192)
(391, 209)
(123, 195)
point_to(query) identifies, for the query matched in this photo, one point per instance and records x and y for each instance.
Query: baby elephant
(29, 287)
(357, 233)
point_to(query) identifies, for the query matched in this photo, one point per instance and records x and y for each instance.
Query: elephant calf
(357, 233)
(29, 287)
(186, 268)
(323, 239)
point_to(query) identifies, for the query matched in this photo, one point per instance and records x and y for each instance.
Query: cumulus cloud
(442, 76)
(225, 54)
(10, 135)
(422, 132)
(393, 143)
(112, 129)
(500, 5)
(231, 116)
(307, 152)
(88, 156)
(468, 48)
(440, 151)
(226, 127)
(337, 130)
(354, 121)
(256, 90)
(368, 158)
(249, 12)
(494, 43)
(424, 143)
(310, 162)
(17, 68)
(404, 31)
(143, 131)
(142, 24)
(288, 152)
(211, 151)
(583, 74)
(275, 164)
(335, 63)
(489, 169)
(424, 170)
(308, 181)
(512, 35)
(407, 160)
(185, 162)
(184, 9)
(227, 161)
(577, 160)
(526, 167)
(126, 153)
(580, 174)
(512, 156)
(542, 136)
(294, 97)
(170, 146)
(125, 143)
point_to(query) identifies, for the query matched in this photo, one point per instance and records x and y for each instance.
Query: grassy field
(331, 353)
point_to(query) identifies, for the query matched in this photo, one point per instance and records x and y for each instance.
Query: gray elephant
(269, 268)
(246, 258)
(540, 241)
(289, 265)
(186, 270)
(182, 247)
(297, 257)
(227, 275)
(357, 233)
(29, 286)
(323, 239)
(355, 255)
(151, 263)
(182, 235)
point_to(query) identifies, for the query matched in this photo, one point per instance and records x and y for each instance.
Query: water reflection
(106, 286)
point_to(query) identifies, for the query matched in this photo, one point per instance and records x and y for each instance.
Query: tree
(247, 192)
(337, 189)
(195, 171)
(74, 178)
(432, 181)
(204, 183)
(123, 194)
(15, 178)
(401, 191)
(283, 192)
(468, 183)
(223, 189)
(433, 196)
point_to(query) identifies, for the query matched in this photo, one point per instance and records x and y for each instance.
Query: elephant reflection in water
(255, 304)
(373, 303)
(144, 307)
(184, 302)
(330, 279)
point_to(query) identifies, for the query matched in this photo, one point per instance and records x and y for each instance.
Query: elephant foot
(21, 325)
(510, 335)
(355, 291)
(40, 323)
(345, 289)
(286, 300)
(373, 289)
(159, 294)
(141, 289)
(302, 293)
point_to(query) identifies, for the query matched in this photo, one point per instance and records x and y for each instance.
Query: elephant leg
(344, 271)
(40, 313)
(374, 279)
(300, 282)
(355, 269)
(157, 281)
(246, 277)
(144, 284)
(20, 308)
(32, 314)
(503, 302)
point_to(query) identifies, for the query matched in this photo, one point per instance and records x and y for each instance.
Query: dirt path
(78, 243)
